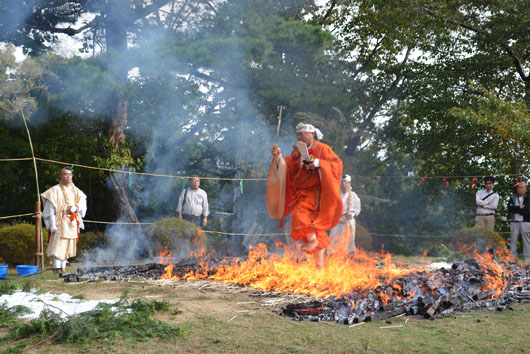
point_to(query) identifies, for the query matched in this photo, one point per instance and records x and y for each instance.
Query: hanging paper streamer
(516, 181)
(474, 182)
(241, 185)
(422, 180)
(446, 182)
(182, 183)
(130, 179)
(72, 168)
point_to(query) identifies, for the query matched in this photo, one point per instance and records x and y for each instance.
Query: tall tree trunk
(116, 26)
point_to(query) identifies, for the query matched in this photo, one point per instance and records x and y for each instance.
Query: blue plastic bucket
(3, 271)
(27, 269)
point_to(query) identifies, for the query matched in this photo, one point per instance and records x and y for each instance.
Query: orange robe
(313, 196)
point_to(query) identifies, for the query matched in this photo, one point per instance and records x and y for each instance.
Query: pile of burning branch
(463, 287)
(369, 287)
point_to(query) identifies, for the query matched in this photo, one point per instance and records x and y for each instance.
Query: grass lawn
(217, 318)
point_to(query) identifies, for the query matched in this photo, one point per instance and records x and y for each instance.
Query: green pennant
(241, 186)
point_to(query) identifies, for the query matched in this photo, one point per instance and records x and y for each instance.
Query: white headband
(346, 178)
(301, 127)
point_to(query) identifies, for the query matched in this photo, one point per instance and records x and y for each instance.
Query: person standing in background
(487, 201)
(343, 235)
(519, 207)
(64, 209)
(193, 203)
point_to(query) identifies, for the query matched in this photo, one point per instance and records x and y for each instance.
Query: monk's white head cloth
(346, 178)
(301, 127)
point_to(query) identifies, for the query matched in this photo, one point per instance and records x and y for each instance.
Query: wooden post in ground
(38, 218)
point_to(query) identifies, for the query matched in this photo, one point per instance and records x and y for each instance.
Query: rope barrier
(146, 173)
(16, 216)
(117, 223)
(244, 234)
(19, 159)
(241, 179)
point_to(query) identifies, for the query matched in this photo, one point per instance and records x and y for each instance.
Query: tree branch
(386, 95)
(505, 46)
(69, 30)
(328, 13)
(369, 59)
(209, 78)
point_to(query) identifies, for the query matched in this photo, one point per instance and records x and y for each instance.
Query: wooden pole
(39, 259)
(38, 215)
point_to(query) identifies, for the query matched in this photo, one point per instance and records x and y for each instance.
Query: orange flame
(298, 274)
(295, 272)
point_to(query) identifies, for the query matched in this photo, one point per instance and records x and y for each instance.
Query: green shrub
(89, 240)
(17, 244)
(363, 239)
(469, 236)
(174, 234)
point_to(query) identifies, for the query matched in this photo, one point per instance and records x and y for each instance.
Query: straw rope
(244, 179)
(244, 234)
(16, 216)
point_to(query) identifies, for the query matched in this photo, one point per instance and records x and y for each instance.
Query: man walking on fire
(307, 184)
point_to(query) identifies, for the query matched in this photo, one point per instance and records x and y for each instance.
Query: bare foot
(319, 259)
(311, 244)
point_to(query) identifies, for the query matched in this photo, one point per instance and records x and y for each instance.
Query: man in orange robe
(311, 190)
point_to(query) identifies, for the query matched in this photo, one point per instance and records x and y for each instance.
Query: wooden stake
(38, 251)
(38, 233)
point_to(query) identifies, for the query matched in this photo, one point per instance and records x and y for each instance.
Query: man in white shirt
(519, 207)
(487, 201)
(193, 203)
(342, 236)
(64, 209)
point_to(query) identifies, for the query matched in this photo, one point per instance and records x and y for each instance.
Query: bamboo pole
(38, 233)
(39, 243)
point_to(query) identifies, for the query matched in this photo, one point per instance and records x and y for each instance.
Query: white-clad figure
(342, 236)
(64, 209)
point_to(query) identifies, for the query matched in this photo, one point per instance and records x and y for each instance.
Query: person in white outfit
(64, 209)
(342, 236)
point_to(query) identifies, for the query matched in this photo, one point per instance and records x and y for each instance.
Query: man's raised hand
(276, 151)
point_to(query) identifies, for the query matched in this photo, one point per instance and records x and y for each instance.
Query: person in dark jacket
(519, 207)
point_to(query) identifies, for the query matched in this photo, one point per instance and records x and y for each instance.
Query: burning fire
(296, 273)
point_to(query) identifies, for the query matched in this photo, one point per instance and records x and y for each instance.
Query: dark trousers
(194, 219)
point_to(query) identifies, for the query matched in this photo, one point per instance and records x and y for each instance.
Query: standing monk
(64, 209)
(306, 183)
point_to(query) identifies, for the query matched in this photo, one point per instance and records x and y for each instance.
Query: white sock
(57, 263)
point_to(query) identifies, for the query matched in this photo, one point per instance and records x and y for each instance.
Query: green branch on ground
(126, 319)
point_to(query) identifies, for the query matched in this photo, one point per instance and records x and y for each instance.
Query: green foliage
(7, 288)
(17, 243)
(18, 82)
(363, 238)
(174, 234)
(478, 237)
(127, 320)
(90, 240)
(9, 316)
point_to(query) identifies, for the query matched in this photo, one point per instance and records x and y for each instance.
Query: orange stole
(316, 204)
